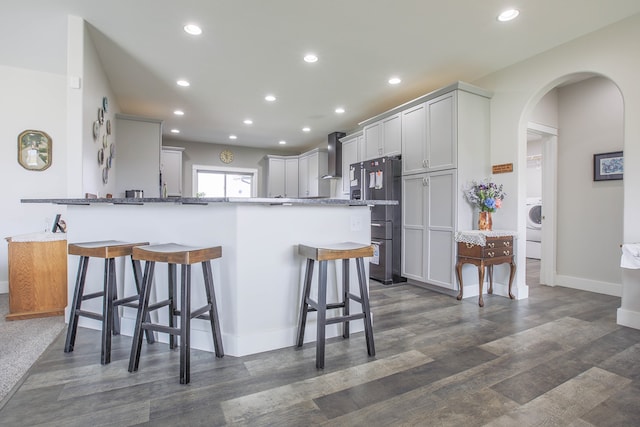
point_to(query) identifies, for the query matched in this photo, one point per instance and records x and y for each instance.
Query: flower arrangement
(486, 195)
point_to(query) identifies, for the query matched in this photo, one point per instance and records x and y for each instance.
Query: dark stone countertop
(214, 200)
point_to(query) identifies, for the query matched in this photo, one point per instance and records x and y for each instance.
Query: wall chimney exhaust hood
(335, 155)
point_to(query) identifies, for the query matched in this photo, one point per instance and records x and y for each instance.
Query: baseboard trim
(613, 289)
(628, 318)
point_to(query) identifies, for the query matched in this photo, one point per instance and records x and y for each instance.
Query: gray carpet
(21, 343)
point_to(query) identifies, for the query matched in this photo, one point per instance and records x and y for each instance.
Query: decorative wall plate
(104, 141)
(108, 126)
(112, 150)
(101, 115)
(105, 104)
(96, 130)
(100, 156)
(105, 175)
(109, 162)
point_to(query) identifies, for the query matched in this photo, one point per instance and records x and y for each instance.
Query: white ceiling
(253, 47)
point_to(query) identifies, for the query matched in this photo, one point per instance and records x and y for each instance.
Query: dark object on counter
(134, 194)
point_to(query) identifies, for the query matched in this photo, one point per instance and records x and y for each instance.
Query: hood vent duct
(335, 155)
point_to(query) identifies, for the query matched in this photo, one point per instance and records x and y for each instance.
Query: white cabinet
(291, 178)
(445, 145)
(282, 176)
(414, 140)
(139, 141)
(351, 146)
(428, 227)
(311, 167)
(383, 137)
(171, 168)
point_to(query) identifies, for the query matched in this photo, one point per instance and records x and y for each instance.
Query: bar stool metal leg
(213, 308)
(137, 278)
(172, 304)
(366, 310)
(143, 313)
(345, 296)
(321, 320)
(304, 306)
(75, 307)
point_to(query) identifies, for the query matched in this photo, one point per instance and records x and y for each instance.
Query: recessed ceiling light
(310, 58)
(394, 80)
(175, 130)
(508, 15)
(179, 113)
(193, 29)
(183, 83)
(233, 137)
(339, 110)
(248, 122)
(306, 129)
(282, 142)
(270, 98)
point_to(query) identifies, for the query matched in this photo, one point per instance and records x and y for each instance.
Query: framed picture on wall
(608, 166)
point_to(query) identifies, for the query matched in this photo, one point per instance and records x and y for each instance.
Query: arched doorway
(577, 210)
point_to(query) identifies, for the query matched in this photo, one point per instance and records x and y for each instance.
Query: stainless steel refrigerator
(381, 179)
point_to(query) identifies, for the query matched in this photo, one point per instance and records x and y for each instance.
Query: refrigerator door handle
(373, 242)
(373, 224)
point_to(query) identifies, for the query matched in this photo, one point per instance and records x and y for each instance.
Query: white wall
(590, 121)
(610, 52)
(30, 100)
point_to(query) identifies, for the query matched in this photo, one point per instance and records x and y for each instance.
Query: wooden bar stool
(344, 252)
(173, 254)
(109, 250)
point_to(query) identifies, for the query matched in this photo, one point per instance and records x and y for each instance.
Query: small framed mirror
(34, 150)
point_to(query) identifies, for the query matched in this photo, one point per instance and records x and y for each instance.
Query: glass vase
(484, 221)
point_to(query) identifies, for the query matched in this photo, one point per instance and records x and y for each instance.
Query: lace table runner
(479, 237)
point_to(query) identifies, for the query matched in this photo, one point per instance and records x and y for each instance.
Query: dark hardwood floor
(555, 359)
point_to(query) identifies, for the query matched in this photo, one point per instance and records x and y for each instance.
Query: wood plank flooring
(555, 359)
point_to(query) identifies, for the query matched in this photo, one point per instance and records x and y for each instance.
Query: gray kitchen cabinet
(312, 166)
(428, 227)
(383, 137)
(139, 141)
(351, 146)
(171, 167)
(282, 176)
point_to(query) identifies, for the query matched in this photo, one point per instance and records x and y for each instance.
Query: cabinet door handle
(491, 245)
(424, 163)
(425, 181)
(506, 253)
(491, 254)
(507, 244)
(469, 245)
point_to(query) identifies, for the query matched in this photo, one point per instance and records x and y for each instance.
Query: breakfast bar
(258, 279)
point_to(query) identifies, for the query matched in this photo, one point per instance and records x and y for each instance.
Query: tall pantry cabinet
(445, 145)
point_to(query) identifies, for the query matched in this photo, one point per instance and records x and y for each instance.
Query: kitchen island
(258, 280)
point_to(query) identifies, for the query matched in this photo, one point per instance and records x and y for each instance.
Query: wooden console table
(37, 275)
(485, 249)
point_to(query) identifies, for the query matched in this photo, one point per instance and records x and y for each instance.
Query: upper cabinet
(139, 141)
(312, 166)
(171, 167)
(282, 176)
(383, 137)
(351, 153)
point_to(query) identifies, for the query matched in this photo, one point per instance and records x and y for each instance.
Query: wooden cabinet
(312, 166)
(139, 141)
(496, 250)
(37, 278)
(428, 227)
(383, 137)
(351, 146)
(171, 167)
(282, 176)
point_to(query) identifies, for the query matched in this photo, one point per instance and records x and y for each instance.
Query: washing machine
(534, 227)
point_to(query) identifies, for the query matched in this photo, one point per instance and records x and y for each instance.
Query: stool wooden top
(174, 253)
(103, 249)
(336, 251)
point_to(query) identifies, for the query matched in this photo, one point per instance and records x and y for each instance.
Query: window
(214, 181)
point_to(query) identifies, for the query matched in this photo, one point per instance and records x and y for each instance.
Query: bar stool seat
(173, 254)
(108, 250)
(344, 252)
